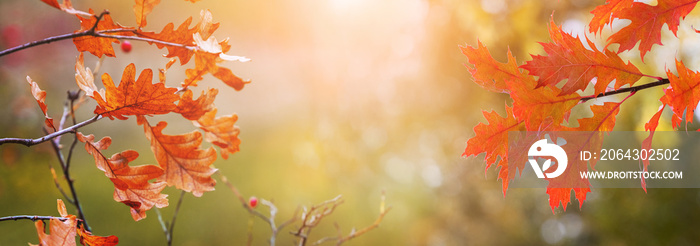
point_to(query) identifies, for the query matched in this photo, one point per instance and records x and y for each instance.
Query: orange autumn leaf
(131, 185)
(589, 136)
(98, 46)
(86, 238)
(647, 21)
(568, 59)
(489, 73)
(492, 139)
(187, 167)
(531, 104)
(538, 105)
(604, 14)
(683, 94)
(142, 8)
(183, 35)
(195, 109)
(66, 6)
(40, 96)
(650, 126)
(210, 53)
(135, 97)
(60, 232)
(221, 132)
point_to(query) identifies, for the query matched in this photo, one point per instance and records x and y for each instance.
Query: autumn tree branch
(68, 110)
(628, 89)
(92, 32)
(30, 142)
(31, 217)
(168, 227)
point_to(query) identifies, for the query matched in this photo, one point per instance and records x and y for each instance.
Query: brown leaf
(60, 232)
(66, 6)
(142, 8)
(131, 185)
(186, 166)
(98, 46)
(194, 109)
(221, 132)
(40, 96)
(86, 238)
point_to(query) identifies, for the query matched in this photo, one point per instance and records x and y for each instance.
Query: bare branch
(628, 89)
(172, 223)
(31, 217)
(358, 233)
(269, 220)
(30, 142)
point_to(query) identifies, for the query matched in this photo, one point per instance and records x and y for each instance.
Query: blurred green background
(348, 97)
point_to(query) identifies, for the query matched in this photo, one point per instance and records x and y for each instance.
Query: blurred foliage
(348, 97)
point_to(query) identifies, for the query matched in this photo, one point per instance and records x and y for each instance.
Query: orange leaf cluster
(131, 185)
(569, 59)
(181, 160)
(64, 232)
(544, 96)
(98, 46)
(647, 21)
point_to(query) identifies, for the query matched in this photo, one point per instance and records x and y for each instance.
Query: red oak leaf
(493, 140)
(683, 94)
(567, 58)
(647, 21)
(604, 14)
(646, 143)
(539, 105)
(587, 136)
(489, 73)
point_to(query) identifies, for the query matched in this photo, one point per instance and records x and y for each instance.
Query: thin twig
(355, 234)
(172, 223)
(269, 220)
(91, 32)
(55, 38)
(69, 180)
(312, 217)
(628, 89)
(30, 142)
(58, 186)
(31, 217)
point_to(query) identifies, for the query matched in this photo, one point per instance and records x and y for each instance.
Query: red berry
(253, 202)
(126, 46)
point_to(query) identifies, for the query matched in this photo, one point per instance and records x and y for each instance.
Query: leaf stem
(628, 89)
